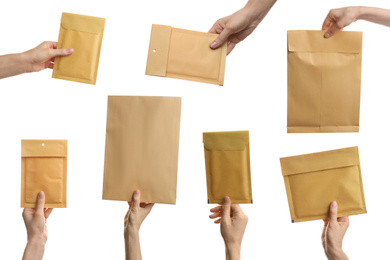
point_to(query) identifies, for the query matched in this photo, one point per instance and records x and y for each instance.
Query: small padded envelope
(228, 166)
(142, 145)
(184, 54)
(84, 34)
(323, 82)
(44, 165)
(314, 180)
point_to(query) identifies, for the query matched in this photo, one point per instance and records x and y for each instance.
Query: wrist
(131, 232)
(361, 12)
(233, 250)
(36, 240)
(336, 254)
(257, 9)
(23, 62)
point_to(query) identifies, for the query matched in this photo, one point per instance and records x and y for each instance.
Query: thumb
(136, 198)
(40, 202)
(220, 40)
(226, 208)
(333, 213)
(60, 52)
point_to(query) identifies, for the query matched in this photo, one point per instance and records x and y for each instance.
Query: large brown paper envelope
(228, 166)
(184, 54)
(323, 82)
(142, 143)
(44, 164)
(314, 180)
(84, 34)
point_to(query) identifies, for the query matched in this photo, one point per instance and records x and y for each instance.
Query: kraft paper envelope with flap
(184, 54)
(228, 166)
(142, 143)
(314, 180)
(84, 34)
(323, 82)
(44, 164)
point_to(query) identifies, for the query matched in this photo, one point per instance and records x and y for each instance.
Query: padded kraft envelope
(44, 164)
(184, 54)
(323, 82)
(228, 166)
(84, 34)
(314, 180)
(142, 143)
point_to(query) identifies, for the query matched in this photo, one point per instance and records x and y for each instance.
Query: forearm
(132, 245)
(259, 8)
(34, 250)
(12, 64)
(233, 251)
(375, 15)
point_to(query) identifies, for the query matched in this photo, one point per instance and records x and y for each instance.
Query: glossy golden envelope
(44, 164)
(228, 166)
(142, 143)
(323, 82)
(184, 54)
(314, 180)
(84, 34)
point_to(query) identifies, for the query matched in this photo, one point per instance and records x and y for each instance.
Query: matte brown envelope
(323, 82)
(314, 180)
(44, 164)
(227, 163)
(184, 54)
(142, 143)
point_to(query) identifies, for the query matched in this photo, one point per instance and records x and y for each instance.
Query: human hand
(35, 220)
(233, 223)
(239, 25)
(339, 18)
(137, 212)
(42, 56)
(333, 234)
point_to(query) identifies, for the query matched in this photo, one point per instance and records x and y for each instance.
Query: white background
(253, 98)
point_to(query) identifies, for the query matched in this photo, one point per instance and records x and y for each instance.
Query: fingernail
(326, 35)
(69, 50)
(136, 192)
(40, 194)
(334, 204)
(213, 44)
(226, 199)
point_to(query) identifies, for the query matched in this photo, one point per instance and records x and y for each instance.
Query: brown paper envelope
(228, 166)
(84, 34)
(314, 180)
(184, 54)
(44, 164)
(323, 82)
(142, 142)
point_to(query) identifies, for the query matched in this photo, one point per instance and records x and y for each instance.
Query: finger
(217, 221)
(221, 39)
(215, 215)
(230, 47)
(48, 212)
(130, 203)
(136, 198)
(327, 22)
(216, 209)
(60, 52)
(333, 213)
(332, 30)
(343, 219)
(236, 210)
(149, 206)
(226, 208)
(50, 66)
(40, 202)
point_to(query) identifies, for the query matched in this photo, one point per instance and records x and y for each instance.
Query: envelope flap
(314, 41)
(44, 148)
(320, 161)
(226, 141)
(160, 38)
(82, 23)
